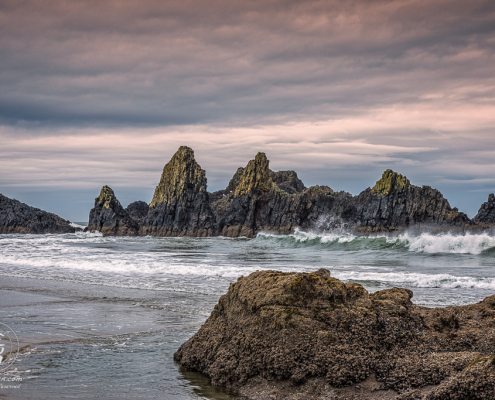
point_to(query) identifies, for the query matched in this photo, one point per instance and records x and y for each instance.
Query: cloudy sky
(104, 92)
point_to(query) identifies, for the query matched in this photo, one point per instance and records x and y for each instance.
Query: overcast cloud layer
(103, 92)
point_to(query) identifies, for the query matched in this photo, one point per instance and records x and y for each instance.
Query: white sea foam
(426, 242)
(449, 243)
(74, 225)
(417, 279)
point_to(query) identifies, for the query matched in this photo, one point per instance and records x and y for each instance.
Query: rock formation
(486, 213)
(254, 202)
(395, 203)
(17, 217)
(180, 205)
(138, 211)
(259, 199)
(109, 217)
(275, 335)
(288, 181)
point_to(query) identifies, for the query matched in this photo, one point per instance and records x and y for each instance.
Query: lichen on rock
(180, 205)
(389, 182)
(109, 217)
(298, 327)
(255, 177)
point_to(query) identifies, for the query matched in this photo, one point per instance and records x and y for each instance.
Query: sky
(104, 92)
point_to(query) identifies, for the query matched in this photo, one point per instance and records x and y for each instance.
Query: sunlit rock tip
(389, 182)
(109, 217)
(180, 205)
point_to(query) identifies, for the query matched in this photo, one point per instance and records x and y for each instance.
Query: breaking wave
(482, 243)
(417, 280)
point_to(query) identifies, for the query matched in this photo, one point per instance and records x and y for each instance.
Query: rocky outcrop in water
(180, 205)
(17, 217)
(486, 213)
(394, 203)
(109, 217)
(281, 335)
(260, 199)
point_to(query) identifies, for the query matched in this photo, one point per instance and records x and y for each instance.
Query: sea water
(101, 317)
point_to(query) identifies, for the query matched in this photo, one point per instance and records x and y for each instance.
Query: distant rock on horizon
(395, 203)
(109, 217)
(17, 217)
(259, 199)
(486, 213)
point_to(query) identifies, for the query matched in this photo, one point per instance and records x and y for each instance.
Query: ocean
(101, 317)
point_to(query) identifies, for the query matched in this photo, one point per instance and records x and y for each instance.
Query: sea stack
(17, 217)
(274, 334)
(254, 202)
(395, 203)
(180, 205)
(259, 199)
(109, 217)
(486, 213)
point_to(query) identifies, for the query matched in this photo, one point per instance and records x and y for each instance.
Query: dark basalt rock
(273, 327)
(219, 194)
(138, 211)
(109, 217)
(288, 181)
(259, 199)
(180, 205)
(486, 213)
(253, 201)
(395, 203)
(17, 217)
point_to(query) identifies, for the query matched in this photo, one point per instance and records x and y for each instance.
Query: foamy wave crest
(426, 242)
(418, 280)
(448, 243)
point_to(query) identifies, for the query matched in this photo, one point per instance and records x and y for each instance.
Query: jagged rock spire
(180, 205)
(109, 217)
(486, 213)
(182, 177)
(389, 182)
(255, 177)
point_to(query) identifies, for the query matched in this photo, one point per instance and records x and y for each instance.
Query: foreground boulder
(17, 217)
(109, 217)
(275, 335)
(180, 205)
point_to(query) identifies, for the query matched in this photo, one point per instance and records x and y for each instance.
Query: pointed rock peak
(390, 181)
(184, 153)
(107, 197)
(181, 175)
(491, 198)
(255, 177)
